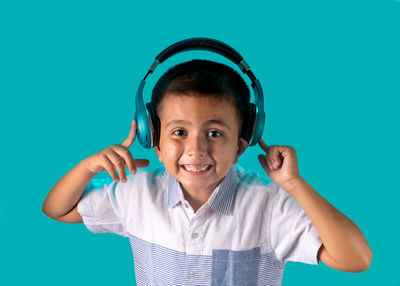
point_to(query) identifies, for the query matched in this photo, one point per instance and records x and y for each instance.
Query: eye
(179, 132)
(214, 134)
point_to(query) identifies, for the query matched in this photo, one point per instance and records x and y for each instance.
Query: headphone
(148, 123)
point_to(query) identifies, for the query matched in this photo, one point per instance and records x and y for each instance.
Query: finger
(263, 145)
(118, 164)
(263, 161)
(273, 157)
(141, 163)
(129, 162)
(125, 154)
(132, 135)
(108, 165)
(268, 165)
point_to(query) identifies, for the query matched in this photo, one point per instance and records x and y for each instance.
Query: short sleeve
(99, 207)
(293, 235)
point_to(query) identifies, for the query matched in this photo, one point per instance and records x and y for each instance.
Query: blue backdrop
(69, 72)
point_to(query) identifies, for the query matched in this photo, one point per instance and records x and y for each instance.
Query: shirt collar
(221, 199)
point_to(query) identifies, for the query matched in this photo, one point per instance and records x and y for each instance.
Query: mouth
(196, 168)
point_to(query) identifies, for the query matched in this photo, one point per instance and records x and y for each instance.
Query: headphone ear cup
(155, 121)
(248, 124)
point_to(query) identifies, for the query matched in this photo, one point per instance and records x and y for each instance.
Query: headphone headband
(145, 126)
(206, 44)
(202, 44)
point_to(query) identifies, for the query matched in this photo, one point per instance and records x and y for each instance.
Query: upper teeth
(196, 168)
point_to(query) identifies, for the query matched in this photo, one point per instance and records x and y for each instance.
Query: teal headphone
(148, 123)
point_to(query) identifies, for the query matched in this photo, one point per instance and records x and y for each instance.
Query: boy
(203, 220)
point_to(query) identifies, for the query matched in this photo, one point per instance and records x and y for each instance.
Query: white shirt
(243, 235)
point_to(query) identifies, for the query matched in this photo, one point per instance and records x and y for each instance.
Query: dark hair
(204, 78)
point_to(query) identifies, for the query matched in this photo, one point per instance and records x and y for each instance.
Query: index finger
(263, 145)
(131, 137)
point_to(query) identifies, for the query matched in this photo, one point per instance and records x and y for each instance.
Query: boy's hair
(204, 78)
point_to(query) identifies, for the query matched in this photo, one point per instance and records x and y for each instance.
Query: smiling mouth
(196, 168)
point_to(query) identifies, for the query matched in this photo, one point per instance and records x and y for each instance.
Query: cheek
(223, 152)
(170, 150)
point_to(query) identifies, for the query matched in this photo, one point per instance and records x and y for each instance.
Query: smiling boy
(201, 219)
(199, 142)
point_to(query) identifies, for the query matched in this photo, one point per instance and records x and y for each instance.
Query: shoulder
(140, 187)
(150, 179)
(143, 180)
(250, 179)
(254, 189)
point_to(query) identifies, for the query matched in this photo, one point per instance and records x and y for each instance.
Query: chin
(195, 188)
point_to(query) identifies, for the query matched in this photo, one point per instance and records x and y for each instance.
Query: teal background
(69, 73)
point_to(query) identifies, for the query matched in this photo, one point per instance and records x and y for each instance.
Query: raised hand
(117, 157)
(280, 163)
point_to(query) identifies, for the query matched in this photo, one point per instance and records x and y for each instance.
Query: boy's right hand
(116, 157)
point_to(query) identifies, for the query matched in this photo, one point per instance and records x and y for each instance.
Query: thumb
(263, 145)
(131, 137)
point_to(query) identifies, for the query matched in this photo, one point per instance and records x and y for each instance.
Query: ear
(242, 146)
(158, 152)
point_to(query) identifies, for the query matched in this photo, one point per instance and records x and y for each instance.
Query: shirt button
(191, 275)
(195, 235)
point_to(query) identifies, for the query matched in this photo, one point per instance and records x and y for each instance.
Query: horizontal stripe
(245, 233)
(158, 265)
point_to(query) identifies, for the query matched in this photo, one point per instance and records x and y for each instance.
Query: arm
(61, 202)
(344, 246)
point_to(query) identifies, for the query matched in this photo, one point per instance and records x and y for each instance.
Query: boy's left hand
(280, 163)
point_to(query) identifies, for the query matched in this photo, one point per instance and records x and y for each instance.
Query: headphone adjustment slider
(154, 65)
(244, 66)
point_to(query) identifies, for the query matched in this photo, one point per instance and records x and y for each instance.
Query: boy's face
(198, 139)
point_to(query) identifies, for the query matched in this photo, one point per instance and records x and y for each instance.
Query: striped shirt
(243, 235)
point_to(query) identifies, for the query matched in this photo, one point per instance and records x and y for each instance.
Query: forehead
(198, 108)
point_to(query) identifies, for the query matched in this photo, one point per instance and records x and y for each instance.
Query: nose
(196, 146)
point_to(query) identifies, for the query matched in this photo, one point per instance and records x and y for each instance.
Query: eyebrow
(211, 121)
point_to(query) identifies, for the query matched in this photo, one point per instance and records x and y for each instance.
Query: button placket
(194, 236)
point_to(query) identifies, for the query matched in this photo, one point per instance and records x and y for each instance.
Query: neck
(197, 198)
